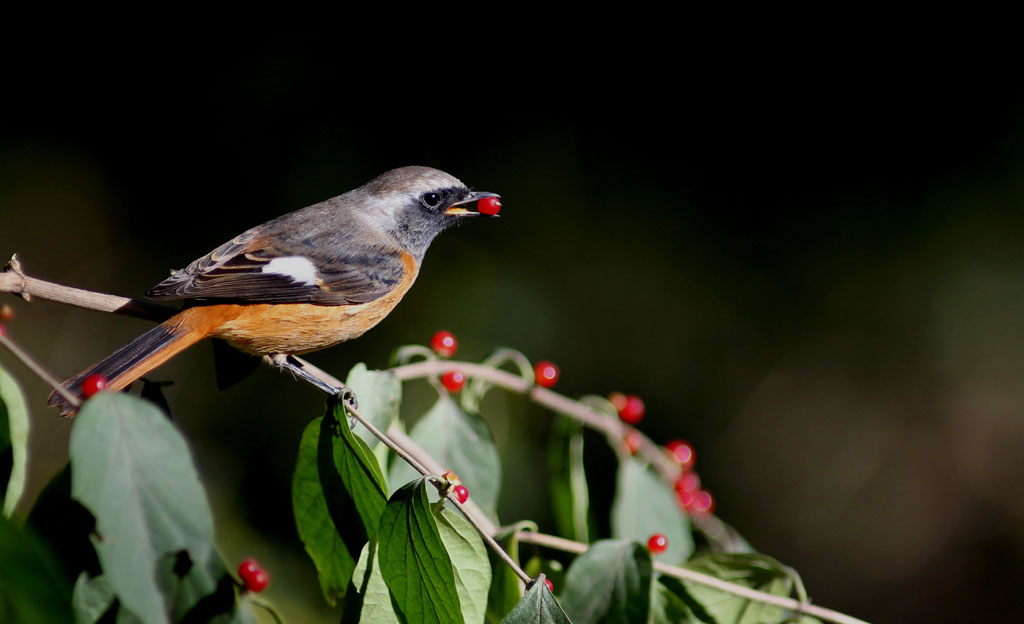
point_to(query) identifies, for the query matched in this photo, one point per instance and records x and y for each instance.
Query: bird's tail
(129, 363)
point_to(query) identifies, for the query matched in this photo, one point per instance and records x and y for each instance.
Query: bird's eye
(431, 200)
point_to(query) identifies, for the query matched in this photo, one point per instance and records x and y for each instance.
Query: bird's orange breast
(294, 328)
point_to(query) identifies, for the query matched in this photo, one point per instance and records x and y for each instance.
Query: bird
(305, 281)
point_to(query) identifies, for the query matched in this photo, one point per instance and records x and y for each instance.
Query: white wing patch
(298, 268)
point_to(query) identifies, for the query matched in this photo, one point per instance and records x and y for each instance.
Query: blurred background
(815, 274)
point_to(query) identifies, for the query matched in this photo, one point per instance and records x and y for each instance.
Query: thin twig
(38, 369)
(562, 544)
(423, 470)
(13, 280)
(613, 428)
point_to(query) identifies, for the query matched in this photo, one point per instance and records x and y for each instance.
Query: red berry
(685, 499)
(247, 568)
(633, 441)
(257, 582)
(93, 384)
(453, 381)
(702, 502)
(551, 586)
(488, 205)
(633, 411)
(6, 312)
(461, 493)
(687, 482)
(444, 344)
(657, 544)
(253, 576)
(3, 330)
(682, 452)
(546, 374)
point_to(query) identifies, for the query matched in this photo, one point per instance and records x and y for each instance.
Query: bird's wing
(251, 269)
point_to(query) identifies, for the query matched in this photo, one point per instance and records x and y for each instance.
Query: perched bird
(304, 281)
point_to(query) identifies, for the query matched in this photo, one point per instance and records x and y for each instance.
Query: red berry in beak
(489, 206)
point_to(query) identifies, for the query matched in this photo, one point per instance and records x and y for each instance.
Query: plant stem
(562, 544)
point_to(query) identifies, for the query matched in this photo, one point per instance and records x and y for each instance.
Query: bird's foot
(342, 392)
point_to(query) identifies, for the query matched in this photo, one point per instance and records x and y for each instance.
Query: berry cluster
(687, 486)
(629, 406)
(254, 578)
(455, 483)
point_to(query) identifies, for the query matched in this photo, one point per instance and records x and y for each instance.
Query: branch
(13, 280)
(558, 403)
(559, 543)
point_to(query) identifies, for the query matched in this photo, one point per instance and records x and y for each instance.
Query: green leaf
(380, 397)
(91, 599)
(669, 608)
(460, 442)
(132, 470)
(334, 474)
(368, 600)
(569, 493)
(14, 425)
(551, 569)
(470, 564)
(201, 591)
(33, 589)
(644, 505)
(611, 582)
(413, 559)
(505, 593)
(538, 606)
(752, 570)
(360, 473)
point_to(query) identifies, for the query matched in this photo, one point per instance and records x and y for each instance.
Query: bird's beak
(469, 207)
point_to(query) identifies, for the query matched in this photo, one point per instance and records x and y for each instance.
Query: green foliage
(570, 497)
(32, 588)
(380, 397)
(538, 606)
(13, 442)
(644, 505)
(611, 582)
(336, 472)
(748, 570)
(504, 592)
(461, 442)
(134, 473)
(145, 522)
(413, 559)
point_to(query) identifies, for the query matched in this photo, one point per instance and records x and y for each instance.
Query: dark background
(810, 266)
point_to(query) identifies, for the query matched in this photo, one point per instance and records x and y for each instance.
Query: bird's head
(415, 204)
